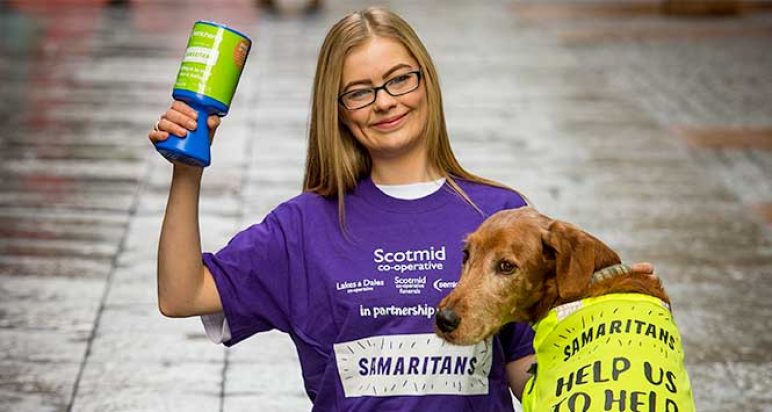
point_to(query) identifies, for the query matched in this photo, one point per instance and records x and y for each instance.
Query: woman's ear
(577, 256)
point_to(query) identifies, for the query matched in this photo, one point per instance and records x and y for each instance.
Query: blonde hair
(335, 159)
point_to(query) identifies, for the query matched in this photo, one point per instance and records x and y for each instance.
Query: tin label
(213, 62)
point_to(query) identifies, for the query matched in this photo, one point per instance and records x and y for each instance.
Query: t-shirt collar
(411, 191)
(368, 191)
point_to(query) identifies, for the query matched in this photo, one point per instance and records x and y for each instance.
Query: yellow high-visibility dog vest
(618, 352)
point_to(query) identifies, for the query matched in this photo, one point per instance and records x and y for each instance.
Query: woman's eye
(505, 267)
(358, 94)
(399, 79)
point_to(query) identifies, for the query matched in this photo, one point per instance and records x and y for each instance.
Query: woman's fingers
(157, 136)
(213, 122)
(643, 268)
(178, 120)
(184, 109)
(176, 124)
(183, 115)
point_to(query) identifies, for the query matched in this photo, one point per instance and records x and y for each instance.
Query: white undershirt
(412, 191)
(215, 324)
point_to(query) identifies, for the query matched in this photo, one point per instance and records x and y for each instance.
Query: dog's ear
(577, 256)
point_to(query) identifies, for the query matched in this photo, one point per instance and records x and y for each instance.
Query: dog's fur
(519, 264)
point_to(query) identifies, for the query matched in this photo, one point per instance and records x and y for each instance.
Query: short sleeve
(253, 277)
(517, 340)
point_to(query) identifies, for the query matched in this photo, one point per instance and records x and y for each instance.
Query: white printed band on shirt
(420, 364)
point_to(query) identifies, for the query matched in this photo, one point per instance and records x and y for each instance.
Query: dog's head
(517, 265)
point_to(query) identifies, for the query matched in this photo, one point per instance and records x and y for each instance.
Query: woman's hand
(178, 120)
(643, 268)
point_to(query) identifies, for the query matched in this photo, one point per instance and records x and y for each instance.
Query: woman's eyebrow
(385, 76)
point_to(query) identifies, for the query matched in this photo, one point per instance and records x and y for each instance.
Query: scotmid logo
(409, 260)
(440, 285)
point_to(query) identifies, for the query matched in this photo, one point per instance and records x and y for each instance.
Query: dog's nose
(447, 320)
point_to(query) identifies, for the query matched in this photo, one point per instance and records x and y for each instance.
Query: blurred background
(649, 123)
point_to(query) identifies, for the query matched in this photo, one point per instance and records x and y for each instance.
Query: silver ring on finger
(156, 125)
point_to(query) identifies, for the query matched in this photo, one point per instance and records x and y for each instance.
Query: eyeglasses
(396, 86)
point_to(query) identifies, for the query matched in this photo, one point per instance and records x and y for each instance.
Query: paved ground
(651, 131)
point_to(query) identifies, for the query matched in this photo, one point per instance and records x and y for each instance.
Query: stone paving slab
(213, 203)
(31, 346)
(733, 385)
(260, 379)
(67, 266)
(46, 247)
(144, 317)
(168, 386)
(270, 403)
(36, 386)
(48, 304)
(126, 348)
(264, 355)
(729, 138)
(136, 263)
(715, 336)
(100, 169)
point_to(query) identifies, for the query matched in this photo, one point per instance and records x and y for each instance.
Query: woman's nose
(447, 320)
(383, 100)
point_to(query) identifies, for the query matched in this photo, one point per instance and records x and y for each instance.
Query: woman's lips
(389, 123)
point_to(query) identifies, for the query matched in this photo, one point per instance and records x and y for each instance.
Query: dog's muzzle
(447, 320)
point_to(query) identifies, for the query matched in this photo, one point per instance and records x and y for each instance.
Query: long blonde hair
(335, 159)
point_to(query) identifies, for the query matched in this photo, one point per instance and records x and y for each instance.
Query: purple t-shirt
(359, 304)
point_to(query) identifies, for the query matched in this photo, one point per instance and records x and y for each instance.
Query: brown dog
(520, 265)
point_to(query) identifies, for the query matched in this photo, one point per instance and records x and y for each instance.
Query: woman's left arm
(517, 374)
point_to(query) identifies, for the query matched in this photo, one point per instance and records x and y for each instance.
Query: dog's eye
(505, 267)
(465, 256)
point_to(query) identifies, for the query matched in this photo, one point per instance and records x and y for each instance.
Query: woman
(353, 267)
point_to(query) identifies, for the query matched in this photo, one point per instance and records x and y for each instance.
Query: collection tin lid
(211, 23)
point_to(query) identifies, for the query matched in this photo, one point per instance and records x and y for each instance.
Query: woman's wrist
(182, 170)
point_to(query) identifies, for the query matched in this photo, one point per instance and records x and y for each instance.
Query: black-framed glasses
(396, 86)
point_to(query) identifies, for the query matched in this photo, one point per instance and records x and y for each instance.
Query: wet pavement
(651, 131)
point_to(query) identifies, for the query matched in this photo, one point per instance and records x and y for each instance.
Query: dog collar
(610, 272)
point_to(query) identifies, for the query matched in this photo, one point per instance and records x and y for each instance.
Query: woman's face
(392, 126)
